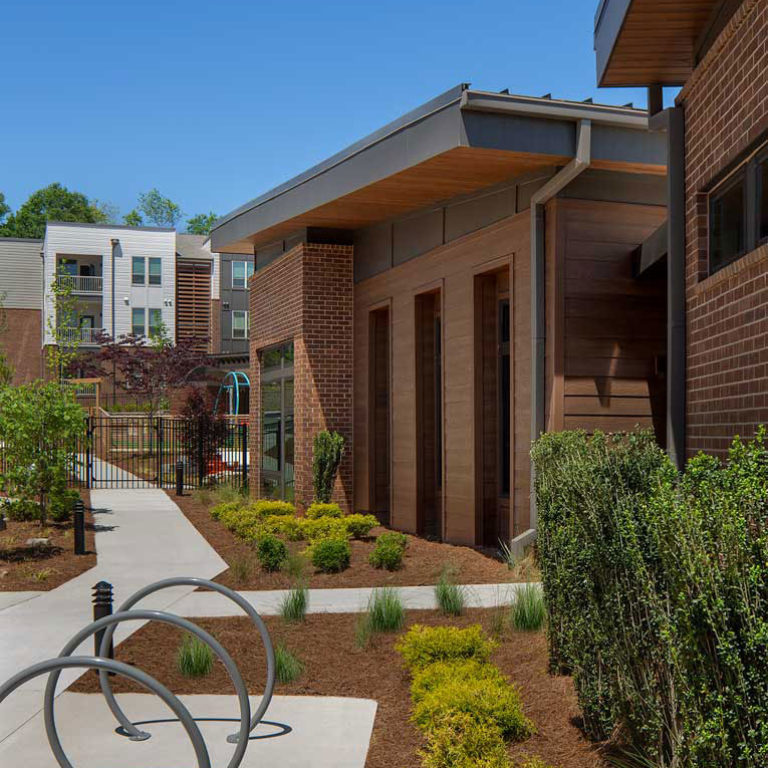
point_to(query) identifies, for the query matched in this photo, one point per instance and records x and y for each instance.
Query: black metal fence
(144, 452)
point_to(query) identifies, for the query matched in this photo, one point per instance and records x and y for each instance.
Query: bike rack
(105, 665)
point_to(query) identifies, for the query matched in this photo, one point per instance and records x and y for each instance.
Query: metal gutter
(581, 161)
(555, 109)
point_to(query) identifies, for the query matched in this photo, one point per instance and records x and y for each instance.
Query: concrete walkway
(351, 600)
(141, 536)
(299, 732)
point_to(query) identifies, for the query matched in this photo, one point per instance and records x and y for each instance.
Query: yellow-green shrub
(245, 522)
(317, 510)
(487, 701)
(220, 510)
(432, 676)
(359, 526)
(460, 741)
(425, 645)
(324, 528)
(267, 507)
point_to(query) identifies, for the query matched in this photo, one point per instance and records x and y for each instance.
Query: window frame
(739, 178)
(245, 277)
(244, 313)
(150, 327)
(138, 260)
(143, 311)
(154, 260)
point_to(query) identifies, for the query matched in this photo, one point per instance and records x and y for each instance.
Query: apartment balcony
(88, 337)
(87, 284)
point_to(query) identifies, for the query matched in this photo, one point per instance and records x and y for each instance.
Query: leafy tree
(5, 209)
(206, 432)
(326, 458)
(6, 369)
(158, 210)
(133, 219)
(64, 350)
(40, 428)
(52, 203)
(147, 369)
(201, 223)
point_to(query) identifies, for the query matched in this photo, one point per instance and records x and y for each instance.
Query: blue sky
(216, 101)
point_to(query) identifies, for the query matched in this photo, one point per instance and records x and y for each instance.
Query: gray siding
(21, 273)
(232, 299)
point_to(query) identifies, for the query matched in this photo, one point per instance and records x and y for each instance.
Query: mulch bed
(334, 666)
(25, 568)
(423, 563)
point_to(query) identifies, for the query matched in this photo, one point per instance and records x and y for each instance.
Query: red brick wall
(307, 296)
(22, 343)
(726, 111)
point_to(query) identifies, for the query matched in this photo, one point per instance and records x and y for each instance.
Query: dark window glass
(155, 271)
(155, 322)
(137, 270)
(727, 223)
(762, 199)
(270, 359)
(137, 322)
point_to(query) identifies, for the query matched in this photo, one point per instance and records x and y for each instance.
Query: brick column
(306, 296)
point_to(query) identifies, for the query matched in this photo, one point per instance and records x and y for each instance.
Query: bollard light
(179, 478)
(78, 517)
(102, 606)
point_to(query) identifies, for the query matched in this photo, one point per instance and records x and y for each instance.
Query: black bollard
(3, 526)
(102, 606)
(179, 478)
(78, 517)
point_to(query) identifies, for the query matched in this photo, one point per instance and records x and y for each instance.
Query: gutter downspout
(581, 161)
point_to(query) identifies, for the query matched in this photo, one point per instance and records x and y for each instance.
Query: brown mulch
(334, 666)
(24, 568)
(423, 563)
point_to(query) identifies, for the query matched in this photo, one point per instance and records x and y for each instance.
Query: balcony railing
(81, 283)
(86, 336)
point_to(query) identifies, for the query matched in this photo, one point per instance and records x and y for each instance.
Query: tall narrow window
(138, 327)
(138, 267)
(239, 274)
(429, 415)
(239, 324)
(155, 271)
(505, 404)
(379, 414)
(155, 322)
(762, 198)
(277, 431)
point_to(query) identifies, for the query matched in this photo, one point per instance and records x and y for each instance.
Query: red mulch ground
(423, 563)
(334, 666)
(27, 568)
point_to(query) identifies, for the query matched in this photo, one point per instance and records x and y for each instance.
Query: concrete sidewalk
(348, 600)
(141, 536)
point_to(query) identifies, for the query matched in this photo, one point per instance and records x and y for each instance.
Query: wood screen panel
(193, 302)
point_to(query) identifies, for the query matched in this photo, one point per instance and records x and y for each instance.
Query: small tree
(206, 431)
(326, 458)
(6, 368)
(64, 351)
(41, 425)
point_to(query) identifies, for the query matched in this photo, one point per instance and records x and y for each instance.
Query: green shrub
(388, 551)
(331, 555)
(291, 528)
(267, 507)
(319, 509)
(219, 511)
(271, 551)
(449, 594)
(425, 645)
(21, 510)
(326, 458)
(459, 741)
(488, 702)
(246, 523)
(527, 611)
(324, 528)
(293, 607)
(287, 666)
(194, 658)
(432, 676)
(359, 526)
(386, 612)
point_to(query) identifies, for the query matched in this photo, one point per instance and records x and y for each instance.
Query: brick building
(445, 289)
(717, 249)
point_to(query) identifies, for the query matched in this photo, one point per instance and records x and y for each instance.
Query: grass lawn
(423, 563)
(25, 568)
(335, 666)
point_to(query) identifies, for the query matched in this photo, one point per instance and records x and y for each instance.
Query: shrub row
(656, 586)
(462, 702)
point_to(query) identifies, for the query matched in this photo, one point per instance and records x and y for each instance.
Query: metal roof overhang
(650, 42)
(458, 143)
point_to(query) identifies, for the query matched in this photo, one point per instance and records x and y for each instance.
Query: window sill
(759, 255)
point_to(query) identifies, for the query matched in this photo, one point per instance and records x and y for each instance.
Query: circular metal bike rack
(191, 581)
(105, 666)
(55, 666)
(165, 618)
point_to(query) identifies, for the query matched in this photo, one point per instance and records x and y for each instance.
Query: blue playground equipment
(231, 386)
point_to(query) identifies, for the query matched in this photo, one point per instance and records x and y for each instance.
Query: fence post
(244, 451)
(88, 458)
(102, 606)
(200, 453)
(159, 429)
(78, 516)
